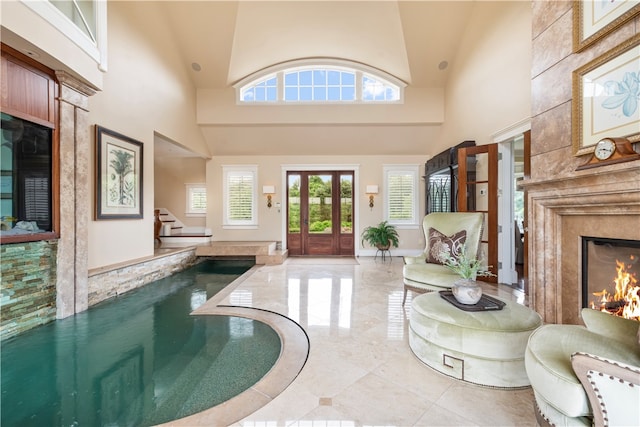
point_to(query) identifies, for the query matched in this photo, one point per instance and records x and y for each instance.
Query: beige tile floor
(360, 370)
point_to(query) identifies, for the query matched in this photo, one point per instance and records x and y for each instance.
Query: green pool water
(139, 359)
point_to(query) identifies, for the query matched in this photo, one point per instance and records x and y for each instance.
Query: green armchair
(559, 360)
(420, 275)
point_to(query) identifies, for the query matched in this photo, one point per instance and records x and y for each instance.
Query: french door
(320, 213)
(478, 192)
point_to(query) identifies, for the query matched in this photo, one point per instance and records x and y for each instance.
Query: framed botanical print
(606, 95)
(119, 167)
(593, 19)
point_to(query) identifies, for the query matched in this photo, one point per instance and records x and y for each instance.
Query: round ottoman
(485, 348)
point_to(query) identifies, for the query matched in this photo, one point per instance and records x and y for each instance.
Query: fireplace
(611, 276)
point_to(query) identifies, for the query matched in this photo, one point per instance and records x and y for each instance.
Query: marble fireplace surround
(603, 202)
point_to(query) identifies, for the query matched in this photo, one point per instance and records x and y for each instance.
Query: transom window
(334, 82)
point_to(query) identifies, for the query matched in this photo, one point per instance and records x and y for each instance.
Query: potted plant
(466, 290)
(381, 236)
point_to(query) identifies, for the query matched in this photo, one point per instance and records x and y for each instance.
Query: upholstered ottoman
(485, 348)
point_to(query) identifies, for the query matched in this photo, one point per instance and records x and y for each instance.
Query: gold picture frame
(593, 19)
(605, 97)
(119, 175)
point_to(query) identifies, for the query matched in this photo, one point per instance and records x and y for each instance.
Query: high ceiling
(228, 40)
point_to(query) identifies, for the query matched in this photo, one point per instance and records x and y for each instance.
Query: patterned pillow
(440, 243)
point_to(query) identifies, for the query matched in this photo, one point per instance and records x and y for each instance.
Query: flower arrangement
(466, 267)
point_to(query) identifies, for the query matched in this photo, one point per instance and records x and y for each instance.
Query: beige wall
(270, 172)
(146, 90)
(171, 175)
(22, 29)
(490, 84)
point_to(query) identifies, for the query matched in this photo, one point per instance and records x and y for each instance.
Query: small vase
(467, 291)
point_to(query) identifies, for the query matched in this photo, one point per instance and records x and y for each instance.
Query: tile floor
(360, 370)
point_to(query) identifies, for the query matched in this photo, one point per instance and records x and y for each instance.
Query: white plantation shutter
(36, 199)
(240, 196)
(401, 183)
(196, 199)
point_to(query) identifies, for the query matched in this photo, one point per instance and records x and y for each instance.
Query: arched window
(320, 81)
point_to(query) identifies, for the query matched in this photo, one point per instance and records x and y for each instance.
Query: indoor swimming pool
(138, 359)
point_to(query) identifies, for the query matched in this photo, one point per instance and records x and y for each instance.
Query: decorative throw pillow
(441, 244)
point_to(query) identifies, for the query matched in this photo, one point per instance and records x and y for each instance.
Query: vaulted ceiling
(229, 40)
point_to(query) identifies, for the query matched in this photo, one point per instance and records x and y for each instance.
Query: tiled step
(265, 252)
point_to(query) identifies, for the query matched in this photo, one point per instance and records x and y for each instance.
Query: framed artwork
(606, 94)
(593, 19)
(119, 162)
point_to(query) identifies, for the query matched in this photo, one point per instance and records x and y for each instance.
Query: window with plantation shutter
(240, 196)
(401, 193)
(196, 200)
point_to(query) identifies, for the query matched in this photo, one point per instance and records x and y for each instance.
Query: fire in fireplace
(610, 271)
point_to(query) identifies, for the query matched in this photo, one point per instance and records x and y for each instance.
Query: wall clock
(609, 151)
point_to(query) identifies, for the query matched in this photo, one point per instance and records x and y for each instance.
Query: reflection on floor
(360, 369)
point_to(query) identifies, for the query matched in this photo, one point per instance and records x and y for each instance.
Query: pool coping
(294, 352)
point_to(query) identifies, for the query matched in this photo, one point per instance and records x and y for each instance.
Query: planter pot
(467, 291)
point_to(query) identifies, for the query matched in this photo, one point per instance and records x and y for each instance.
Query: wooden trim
(51, 121)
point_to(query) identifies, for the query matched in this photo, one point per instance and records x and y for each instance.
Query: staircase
(174, 231)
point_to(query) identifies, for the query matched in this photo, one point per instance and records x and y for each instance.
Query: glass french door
(320, 213)
(478, 192)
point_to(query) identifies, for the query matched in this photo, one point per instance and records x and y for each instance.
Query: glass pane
(81, 14)
(320, 93)
(305, 78)
(271, 94)
(294, 204)
(334, 94)
(291, 79)
(320, 221)
(260, 95)
(291, 94)
(248, 95)
(25, 177)
(348, 93)
(346, 204)
(334, 77)
(349, 79)
(305, 94)
(319, 77)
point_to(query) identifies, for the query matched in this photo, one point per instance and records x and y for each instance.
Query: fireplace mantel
(603, 202)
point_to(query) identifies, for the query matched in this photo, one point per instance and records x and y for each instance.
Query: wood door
(320, 213)
(478, 192)
(525, 225)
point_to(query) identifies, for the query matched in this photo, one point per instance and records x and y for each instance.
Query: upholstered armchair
(581, 375)
(424, 273)
(613, 389)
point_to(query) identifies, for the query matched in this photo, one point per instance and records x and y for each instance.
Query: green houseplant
(466, 290)
(463, 265)
(381, 236)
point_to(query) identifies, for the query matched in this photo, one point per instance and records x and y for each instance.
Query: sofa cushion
(548, 363)
(614, 327)
(431, 274)
(442, 246)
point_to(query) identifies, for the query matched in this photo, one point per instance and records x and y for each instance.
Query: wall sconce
(372, 190)
(269, 191)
